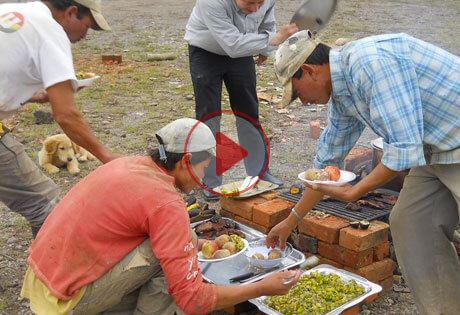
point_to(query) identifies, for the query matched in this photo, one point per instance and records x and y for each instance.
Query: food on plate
(215, 227)
(352, 206)
(221, 253)
(230, 246)
(84, 75)
(354, 224)
(333, 172)
(316, 174)
(274, 254)
(364, 224)
(316, 293)
(214, 249)
(204, 227)
(235, 192)
(209, 248)
(372, 204)
(329, 173)
(258, 256)
(238, 242)
(222, 239)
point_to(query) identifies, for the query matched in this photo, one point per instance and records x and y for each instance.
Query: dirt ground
(132, 100)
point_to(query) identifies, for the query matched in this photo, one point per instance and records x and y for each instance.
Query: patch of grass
(21, 224)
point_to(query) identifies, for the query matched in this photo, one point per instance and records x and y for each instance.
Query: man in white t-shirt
(36, 66)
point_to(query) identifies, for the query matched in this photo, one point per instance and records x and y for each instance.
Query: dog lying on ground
(58, 151)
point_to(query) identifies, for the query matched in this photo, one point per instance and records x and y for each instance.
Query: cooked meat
(236, 232)
(388, 199)
(210, 230)
(209, 235)
(204, 227)
(352, 206)
(220, 225)
(372, 204)
(374, 193)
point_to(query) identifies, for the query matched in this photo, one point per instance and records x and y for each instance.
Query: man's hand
(260, 59)
(279, 234)
(39, 97)
(378, 177)
(344, 193)
(279, 283)
(283, 34)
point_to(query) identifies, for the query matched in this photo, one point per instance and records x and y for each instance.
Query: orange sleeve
(173, 245)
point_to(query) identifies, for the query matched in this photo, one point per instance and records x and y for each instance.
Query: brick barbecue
(330, 238)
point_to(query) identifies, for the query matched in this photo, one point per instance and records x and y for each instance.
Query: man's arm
(232, 41)
(72, 123)
(378, 177)
(271, 285)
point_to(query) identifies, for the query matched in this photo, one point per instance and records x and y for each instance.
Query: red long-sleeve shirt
(108, 214)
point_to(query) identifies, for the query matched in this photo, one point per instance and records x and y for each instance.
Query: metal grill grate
(338, 209)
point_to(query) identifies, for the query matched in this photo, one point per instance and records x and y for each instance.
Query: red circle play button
(252, 148)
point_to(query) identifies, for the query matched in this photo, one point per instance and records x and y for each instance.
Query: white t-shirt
(34, 53)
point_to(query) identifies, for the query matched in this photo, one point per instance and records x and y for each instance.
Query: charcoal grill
(338, 209)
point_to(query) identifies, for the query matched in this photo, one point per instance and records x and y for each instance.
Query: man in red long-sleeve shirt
(121, 238)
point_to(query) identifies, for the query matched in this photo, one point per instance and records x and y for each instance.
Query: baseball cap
(289, 57)
(196, 134)
(95, 7)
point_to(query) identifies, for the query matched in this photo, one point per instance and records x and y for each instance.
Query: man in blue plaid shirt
(408, 92)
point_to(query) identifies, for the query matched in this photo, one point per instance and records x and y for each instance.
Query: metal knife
(249, 275)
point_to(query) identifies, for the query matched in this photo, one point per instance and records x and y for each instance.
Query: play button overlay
(242, 150)
(228, 153)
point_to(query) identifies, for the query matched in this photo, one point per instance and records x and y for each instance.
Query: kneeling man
(120, 240)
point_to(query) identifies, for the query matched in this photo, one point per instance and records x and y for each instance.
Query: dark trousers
(208, 71)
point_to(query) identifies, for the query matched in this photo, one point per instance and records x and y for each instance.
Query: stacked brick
(332, 239)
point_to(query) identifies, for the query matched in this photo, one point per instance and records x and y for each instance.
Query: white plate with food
(215, 251)
(262, 257)
(250, 186)
(86, 81)
(328, 176)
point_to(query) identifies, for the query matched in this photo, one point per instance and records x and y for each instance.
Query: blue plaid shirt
(406, 90)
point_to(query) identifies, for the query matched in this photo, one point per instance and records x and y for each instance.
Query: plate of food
(250, 186)
(262, 257)
(330, 175)
(85, 78)
(222, 248)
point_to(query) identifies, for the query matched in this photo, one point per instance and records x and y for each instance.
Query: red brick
(241, 207)
(381, 251)
(226, 214)
(243, 307)
(315, 129)
(256, 226)
(387, 285)
(271, 212)
(324, 260)
(111, 59)
(326, 230)
(358, 239)
(304, 243)
(357, 156)
(370, 299)
(345, 256)
(377, 271)
(269, 195)
(354, 310)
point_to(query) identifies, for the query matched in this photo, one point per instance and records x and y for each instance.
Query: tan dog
(59, 151)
